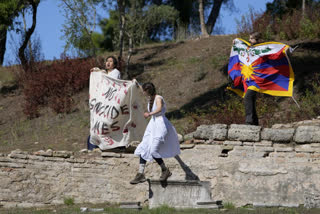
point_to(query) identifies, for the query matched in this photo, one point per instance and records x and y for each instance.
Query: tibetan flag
(264, 67)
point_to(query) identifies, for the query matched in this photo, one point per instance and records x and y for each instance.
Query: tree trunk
(213, 15)
(204, 31)
(25, 31)
(121, 9)
(27, 36)
(303, 7)
(3, 41)
(129, 58)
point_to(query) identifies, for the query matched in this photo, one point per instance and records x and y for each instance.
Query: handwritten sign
(116, 111)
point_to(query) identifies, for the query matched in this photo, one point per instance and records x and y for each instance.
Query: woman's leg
(139, 178)
(250, 107)
(142, 165)
(165, 172)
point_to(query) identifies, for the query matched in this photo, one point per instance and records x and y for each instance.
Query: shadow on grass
(201, 103)
(139, 68)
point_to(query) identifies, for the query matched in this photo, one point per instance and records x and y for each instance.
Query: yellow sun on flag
(247, 71)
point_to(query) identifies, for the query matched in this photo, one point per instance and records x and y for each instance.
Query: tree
(81, 20)
(192, 15)
(214, 13)
(202, 23)
(122, 23)
(131, 23)
(141, 19)
(27, 35)
(186, 11)
(9, 9)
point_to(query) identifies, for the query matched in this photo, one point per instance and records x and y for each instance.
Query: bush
(288, 26)
(53, 85)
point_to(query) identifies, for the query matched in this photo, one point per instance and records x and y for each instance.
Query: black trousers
(250, 107)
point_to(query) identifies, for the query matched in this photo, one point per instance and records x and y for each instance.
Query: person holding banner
(112, 71)
(160, 139)
(111, 68)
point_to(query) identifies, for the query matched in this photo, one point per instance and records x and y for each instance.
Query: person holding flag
(263, 67)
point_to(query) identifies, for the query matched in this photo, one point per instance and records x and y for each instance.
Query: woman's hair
(257, 36)
(115, 61)
(151, 90)
(149, 87)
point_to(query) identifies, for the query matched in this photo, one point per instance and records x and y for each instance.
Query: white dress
(115, 73)
(160, 139)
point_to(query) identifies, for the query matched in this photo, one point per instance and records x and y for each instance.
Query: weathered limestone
(214, 132)
(277, 135)
(244, 132)
(180, 194)
(262, 167)
(307, 134)
(312, 200)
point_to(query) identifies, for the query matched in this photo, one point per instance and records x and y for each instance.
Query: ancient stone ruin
(242, 164)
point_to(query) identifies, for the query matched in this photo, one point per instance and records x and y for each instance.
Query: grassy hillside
(192, 77)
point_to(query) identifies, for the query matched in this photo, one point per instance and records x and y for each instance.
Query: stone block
(244, 133)
(130, 205)
(178, 194)
(232, 143)
(263, 149)
(188, 136)
(18, 156)
(311, 200)
(283, 149)
(187, 146)
(263, 143)
(110, 155)
(214, 132)
(306, 148)
(307, 134)
(243, 148)
(277, 135)
(62, 154)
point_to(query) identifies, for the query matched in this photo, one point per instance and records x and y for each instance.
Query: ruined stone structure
(278, 166)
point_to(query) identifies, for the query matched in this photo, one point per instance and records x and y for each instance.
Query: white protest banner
(116, 111)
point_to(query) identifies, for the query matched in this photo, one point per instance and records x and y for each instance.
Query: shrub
(53, 85)
(291, 25)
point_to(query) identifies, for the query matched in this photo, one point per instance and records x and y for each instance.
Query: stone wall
(278, 166)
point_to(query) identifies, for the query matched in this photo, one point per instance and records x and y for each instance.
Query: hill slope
(191, 75)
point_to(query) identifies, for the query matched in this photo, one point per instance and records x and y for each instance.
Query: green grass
(112, 209)
(7, 76)
(68, 201)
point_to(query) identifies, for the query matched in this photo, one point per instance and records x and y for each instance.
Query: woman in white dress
(160, 139)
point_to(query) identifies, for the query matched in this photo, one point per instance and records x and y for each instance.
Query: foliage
(54, 85)
(283, 23)
(229, 206)
(309, 102)
(106, 40)
(80, 23)
(140, 22)
(9, 9)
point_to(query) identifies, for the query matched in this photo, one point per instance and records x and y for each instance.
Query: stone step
(209, 204)
(181, 194)
(130, 205)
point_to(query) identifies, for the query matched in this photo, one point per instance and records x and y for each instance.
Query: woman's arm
(158, 109)
(137, 84)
